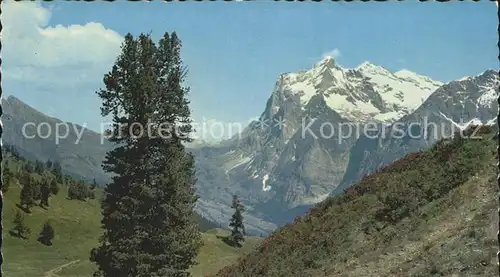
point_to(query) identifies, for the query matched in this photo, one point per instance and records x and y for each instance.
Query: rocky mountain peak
(368, 67)
(326, 62)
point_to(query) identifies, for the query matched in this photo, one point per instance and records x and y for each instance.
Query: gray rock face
(298, 151)
(449, 109)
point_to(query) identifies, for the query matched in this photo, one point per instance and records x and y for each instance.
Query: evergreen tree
(7, 177)
(48, 164)
(93, 185)
(39, 167)
(36, 187)
(54, 187)
(28, 167)
(148, 208)
(236, 222)
(73, 191)
(47, 234)
(45, 193)
(92, 189)
(27, 199)
(78, 190)
(13, 151)
(57, 171)
(20, 229)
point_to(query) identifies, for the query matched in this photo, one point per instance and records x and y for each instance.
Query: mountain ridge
(278, 168)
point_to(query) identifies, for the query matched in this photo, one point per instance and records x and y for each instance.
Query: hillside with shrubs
(431, 213)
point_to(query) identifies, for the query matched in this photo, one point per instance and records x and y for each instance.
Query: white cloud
(35, 51)
(335, 53)
(49, 65)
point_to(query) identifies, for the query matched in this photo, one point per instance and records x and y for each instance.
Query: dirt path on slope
(53, 272)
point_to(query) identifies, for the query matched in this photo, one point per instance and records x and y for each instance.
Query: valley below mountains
(307, 143)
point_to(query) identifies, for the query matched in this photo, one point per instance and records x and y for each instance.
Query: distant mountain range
(81, 159)
(289, 159)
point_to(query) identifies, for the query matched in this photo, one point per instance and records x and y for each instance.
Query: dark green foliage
(47, 234)
(20, 229)
(236, 222)
(57, 171)
(7, 177)
(78, 190)
(39, 167)
(27, 195)
(54, 187)
(36, 187)
(148, 208)
(28, 167)
(45, 193)
(11, 150)
(48, 164)
(93, 185)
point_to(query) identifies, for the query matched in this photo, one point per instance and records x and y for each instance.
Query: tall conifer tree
(236, 222)
(148, 208)
(27, 195)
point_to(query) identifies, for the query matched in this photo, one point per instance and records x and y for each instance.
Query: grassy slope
(429, 214)
(77, 228)
(214, 255)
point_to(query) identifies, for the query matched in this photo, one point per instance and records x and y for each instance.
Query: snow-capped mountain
(367, 92)
(452, 108)
(289, 159)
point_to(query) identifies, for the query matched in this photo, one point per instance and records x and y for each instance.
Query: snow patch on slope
(264, 180)
(315, 199)
(238, 163)
(472, 122)
(403, 88)
(492, 122)
(489, 95)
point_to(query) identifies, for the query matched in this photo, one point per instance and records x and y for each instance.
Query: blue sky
(235, 51)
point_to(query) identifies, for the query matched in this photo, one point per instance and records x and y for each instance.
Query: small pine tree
(93, 185)
(14, 152)
(54, 187)
(57, 171)
(20, 229)
(27, 192)
(83, 191)
(48, 164)
(72, 191)
(45, 193)
(39, 168)
(47, 234)
(236, 222)
(28, 167)
(37, 192)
